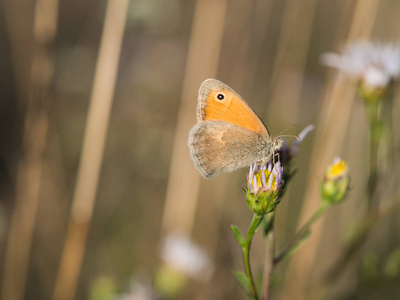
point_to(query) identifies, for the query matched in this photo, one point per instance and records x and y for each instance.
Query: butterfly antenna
(295, 125)
(290, 135)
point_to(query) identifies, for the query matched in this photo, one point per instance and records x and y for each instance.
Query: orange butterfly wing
(218, 102)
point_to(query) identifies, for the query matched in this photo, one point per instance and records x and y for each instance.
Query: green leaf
(244, 281)
(238, 235)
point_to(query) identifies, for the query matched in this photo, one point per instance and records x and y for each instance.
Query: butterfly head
(269, 148)
(276, 143)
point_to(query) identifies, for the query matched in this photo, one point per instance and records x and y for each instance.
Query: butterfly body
(228, 134)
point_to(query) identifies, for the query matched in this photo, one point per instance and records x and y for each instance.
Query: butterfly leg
(278, 155)
(265, 161)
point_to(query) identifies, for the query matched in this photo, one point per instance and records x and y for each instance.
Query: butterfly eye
(220, 96)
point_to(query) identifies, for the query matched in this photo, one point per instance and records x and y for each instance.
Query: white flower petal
(375, 64)
(304, 133)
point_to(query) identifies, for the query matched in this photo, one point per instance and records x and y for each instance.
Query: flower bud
(374, 94)
(336, 182)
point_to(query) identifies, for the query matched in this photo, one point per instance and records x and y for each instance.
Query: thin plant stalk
(301, 233)
(269, 256)
(367, 226)
(271, 260)
(373, 109)
(255, 222)
(93, 148)
(30, 167)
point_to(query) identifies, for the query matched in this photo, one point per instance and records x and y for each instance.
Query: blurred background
(97, 99)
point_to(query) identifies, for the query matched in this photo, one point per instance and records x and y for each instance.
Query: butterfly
(228, 135)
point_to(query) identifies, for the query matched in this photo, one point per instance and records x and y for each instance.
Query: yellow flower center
(337, 169)
(258, 175)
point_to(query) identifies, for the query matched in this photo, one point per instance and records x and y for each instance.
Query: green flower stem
(375, 126)
(368, 224)
(246, 252)
(270, 255)
(300, 234)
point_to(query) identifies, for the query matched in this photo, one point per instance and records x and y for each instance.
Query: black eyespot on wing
(220, 96)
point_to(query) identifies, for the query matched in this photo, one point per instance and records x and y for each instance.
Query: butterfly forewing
(218, 102)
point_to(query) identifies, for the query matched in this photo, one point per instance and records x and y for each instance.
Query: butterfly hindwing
(217, 146)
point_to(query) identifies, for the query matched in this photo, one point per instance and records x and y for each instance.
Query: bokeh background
(143, 68)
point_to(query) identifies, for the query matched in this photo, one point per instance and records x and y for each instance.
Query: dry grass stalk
(93, 148)
(290, 64)
(202, 62)
(34, 143)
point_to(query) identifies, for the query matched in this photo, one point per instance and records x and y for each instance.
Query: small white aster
(376, 65)
(180, 253)
(138, 291)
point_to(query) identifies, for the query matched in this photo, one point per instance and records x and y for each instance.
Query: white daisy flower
(376, 65)
(180, 253)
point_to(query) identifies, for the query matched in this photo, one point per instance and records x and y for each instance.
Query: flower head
(337, 169)
(375, 66)
(180, 253)
(264, 184)
(336, 182)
